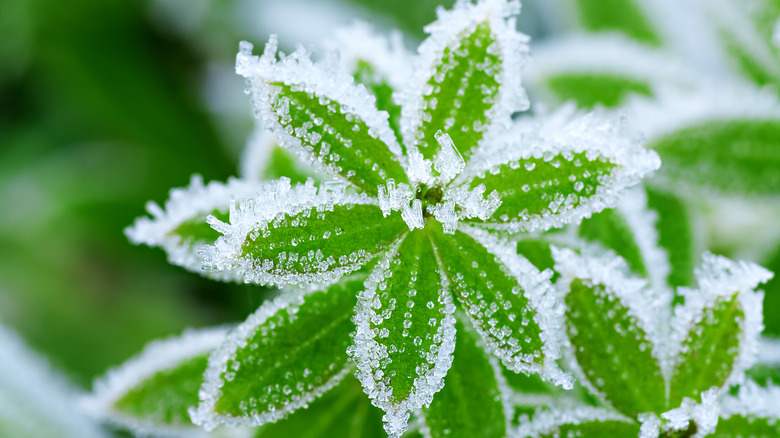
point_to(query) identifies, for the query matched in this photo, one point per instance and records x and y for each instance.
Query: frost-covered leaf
(749, 36)
(718, 327)
(342, 411)
(286, 354)
(317, 112)
(381, 64)
(772, 297)
(538, 252)
(472, 402)
(181, 228)
(610, 229)
(753, 412)
(607, 323)
(578, 421)
(723, 138)
(625, 16)
(152, 392)
(36, 402)
(508, 300)
(301, 234)
(264, 159)
(405, 331)
(467, 79)
(601, 70)
(675, 235)
(557, 169)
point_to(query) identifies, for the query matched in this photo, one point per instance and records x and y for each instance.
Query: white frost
(158, 356)
(547, 421)
(704, 414)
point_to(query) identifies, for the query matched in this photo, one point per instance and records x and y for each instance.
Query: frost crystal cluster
(451, 254)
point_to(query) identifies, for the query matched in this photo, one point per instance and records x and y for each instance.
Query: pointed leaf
(152, 392)
(675, 234)
(609, 228)
(557, 170)
(318, 113)
(579, 421)
(507, 299)
(405, 331)
(625, 16)
(539, 253)
(467, 82)
(286, 354)
(381, 64)
(300, 235)
(181, 228)
(605, 321)
(342, 411)
(717, 327)
(723, 138)
(472, 401)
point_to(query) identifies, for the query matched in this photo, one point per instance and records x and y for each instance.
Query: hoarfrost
(185, 204)
(547, 421)
(158, 356)
(650, 425)
(704, 414)
(753, 400)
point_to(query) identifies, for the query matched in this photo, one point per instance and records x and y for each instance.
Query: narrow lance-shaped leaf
(317, 112)
(579, 421)
(718, 327)
(405, 331)
(556, 170)
(724, 138)
(152, 392)
(381, 64)
(468, 80)
(612, 348)
(342, 411)
(300, 235)
(610, 229)
(285, 355)
(181, 228)
(472, 402)
(507, 299)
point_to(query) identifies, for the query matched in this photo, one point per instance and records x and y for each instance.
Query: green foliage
(613, 349)
(465, 88)
(675, 234)
(610, 228)
(738, 156)
(470, 404)
(591, 89)
(378, 85)
(624, 16)
(739, 426)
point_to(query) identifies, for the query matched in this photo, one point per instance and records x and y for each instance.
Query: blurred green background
(104, 105)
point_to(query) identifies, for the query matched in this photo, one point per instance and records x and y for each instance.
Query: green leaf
(539, 253)
(675, 234)
(468, 79)
(342, 411)
(282, 163)
(710, 350)
(607, 318)
(503, 295)
(319, 114)
(181, 228)
(405, 331)
(379, 86)
(624, 16)
(152, 392)
(548, 172)
(282, 357)
(578, 421)
(591, 89)
(263, 160)
(612, 349)
(739, 426)
(471, 404)
(610, 229)
(733, 155)
(301, 235)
